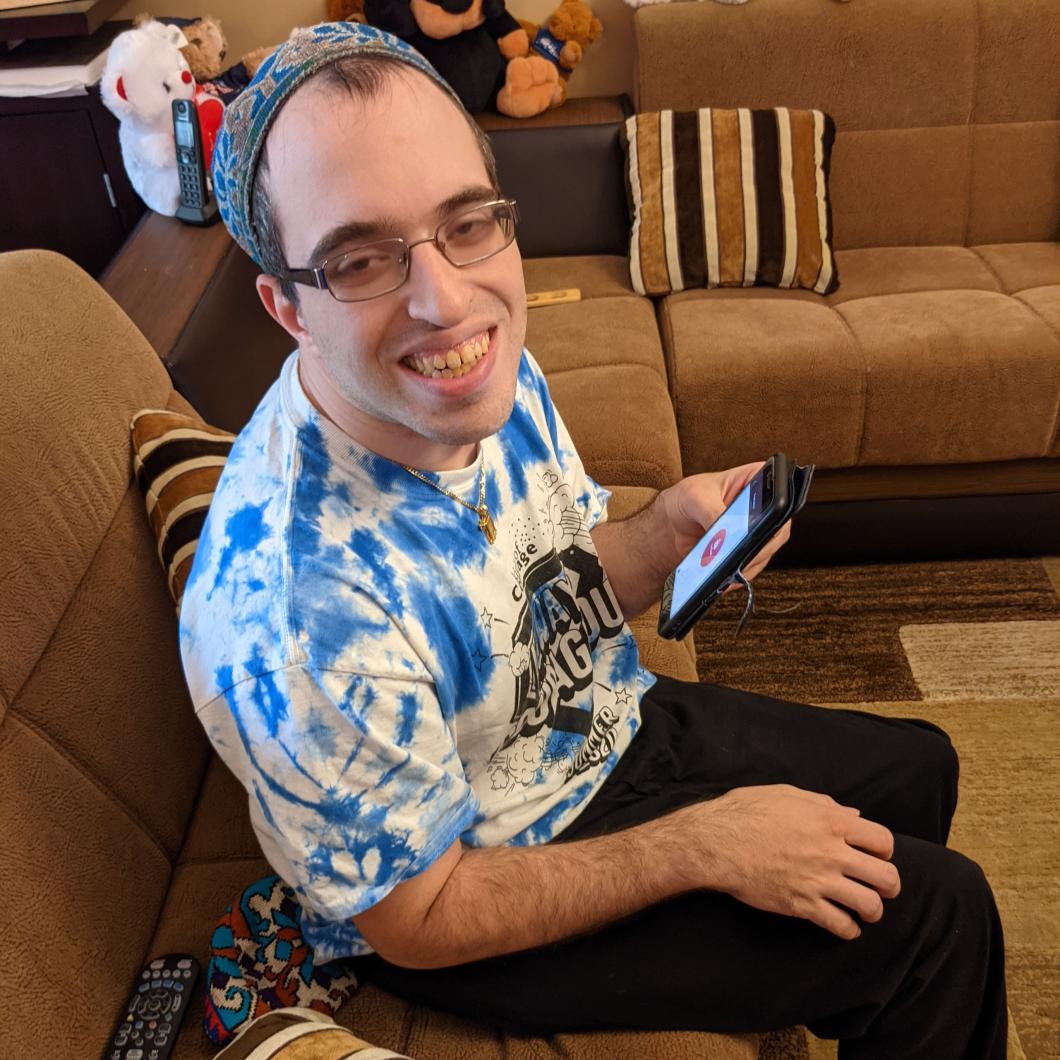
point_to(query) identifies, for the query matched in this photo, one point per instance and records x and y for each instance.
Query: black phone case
(798, 478)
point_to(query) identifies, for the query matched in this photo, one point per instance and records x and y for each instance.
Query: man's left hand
(694, 503)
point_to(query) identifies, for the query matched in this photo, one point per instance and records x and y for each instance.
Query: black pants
(925, 981)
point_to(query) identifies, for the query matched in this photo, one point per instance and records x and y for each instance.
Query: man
(400, 636)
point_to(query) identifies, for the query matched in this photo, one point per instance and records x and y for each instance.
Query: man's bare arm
(776, 848)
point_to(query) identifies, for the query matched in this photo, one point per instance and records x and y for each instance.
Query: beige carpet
(975, 648)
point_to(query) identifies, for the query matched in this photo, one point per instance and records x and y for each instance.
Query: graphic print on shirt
(566, 605)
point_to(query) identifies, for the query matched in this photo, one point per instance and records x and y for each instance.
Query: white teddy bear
(144, 73)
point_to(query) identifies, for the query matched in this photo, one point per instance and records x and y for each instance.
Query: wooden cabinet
(62, 182)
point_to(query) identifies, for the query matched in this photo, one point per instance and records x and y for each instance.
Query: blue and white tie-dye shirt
(382, 679)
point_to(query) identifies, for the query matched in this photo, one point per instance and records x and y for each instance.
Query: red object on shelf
(210, 111)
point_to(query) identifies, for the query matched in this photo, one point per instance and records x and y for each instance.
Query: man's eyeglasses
(378, 268)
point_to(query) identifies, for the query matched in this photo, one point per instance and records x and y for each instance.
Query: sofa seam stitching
(970, 123)
(1001, 286)
(864, 385)
(605, 364)
(1054, 436)
(924, 290)
(219, 859)
(88, 775)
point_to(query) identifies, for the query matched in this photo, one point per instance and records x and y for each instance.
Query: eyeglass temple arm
(312, 277)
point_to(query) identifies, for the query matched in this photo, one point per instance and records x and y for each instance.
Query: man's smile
(452, 362)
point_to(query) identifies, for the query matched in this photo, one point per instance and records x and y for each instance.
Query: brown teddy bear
(206, 48)
(345, 10)
(562, 39)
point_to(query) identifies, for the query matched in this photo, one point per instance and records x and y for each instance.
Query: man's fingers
(881, 875)
(832, 918)
(870, 836)
(859, 899)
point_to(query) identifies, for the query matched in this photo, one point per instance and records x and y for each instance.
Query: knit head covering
(248, 118)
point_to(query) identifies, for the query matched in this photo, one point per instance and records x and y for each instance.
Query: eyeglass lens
(380, 267)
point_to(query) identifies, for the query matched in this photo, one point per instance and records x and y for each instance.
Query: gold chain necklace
(485, 521)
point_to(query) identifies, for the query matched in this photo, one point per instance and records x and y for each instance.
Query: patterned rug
(973, 646)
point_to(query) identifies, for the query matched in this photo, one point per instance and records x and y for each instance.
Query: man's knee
(958, 896)
(931, 772)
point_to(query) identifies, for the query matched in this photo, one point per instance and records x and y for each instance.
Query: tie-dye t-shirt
(383, 680)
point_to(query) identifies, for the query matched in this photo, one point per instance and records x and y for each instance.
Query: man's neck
(390, 440)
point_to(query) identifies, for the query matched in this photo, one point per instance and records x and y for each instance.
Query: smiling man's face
(396, 163)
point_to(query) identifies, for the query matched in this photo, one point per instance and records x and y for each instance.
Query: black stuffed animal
(471, 44)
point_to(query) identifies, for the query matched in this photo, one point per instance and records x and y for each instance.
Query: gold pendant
(485, 524)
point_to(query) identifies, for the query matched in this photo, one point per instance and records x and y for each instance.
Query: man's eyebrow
(388, 227)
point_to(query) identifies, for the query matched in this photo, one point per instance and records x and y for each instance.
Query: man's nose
(438, 292)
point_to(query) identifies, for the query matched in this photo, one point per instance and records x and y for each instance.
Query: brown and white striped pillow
(300, 1034)
(730, 198)
(178, 461)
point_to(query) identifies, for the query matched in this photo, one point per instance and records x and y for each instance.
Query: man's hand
(695, 502)
(785, 850)
(640, 552)
(777, 848)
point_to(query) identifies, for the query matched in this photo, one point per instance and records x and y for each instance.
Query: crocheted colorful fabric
(248, 118)
(260, 962)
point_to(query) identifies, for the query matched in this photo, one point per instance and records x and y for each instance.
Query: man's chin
(469, 431)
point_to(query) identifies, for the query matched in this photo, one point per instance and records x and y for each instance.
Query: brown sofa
(927, 387)
(123, 837)
(929, 383)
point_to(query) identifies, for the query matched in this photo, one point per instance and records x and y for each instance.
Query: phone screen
(727, 533)
(185, 136)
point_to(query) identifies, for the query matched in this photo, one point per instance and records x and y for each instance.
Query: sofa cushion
(596, 276)
(730, 198)
(919, 358)
(605, 370)
(1019, 266)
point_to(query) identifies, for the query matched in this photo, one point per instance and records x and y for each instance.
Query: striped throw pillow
(177, 461)
(730, 198)
(300, 1034)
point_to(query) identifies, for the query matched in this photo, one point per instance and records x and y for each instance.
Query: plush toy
(145, 71)
(472, 44)
(345, 10)
(206, 49)
(570, 29)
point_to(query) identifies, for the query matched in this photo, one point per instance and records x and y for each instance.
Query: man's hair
(363, 77)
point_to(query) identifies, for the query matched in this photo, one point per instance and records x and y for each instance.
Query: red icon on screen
(712, 549)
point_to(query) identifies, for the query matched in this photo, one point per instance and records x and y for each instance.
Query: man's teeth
(453, 363)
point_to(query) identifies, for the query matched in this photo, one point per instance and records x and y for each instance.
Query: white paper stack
(57, 66)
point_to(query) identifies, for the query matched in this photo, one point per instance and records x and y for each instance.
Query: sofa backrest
(946, 110)
(101, 757)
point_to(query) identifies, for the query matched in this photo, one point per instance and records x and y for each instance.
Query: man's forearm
(638, 555)
(504, 899)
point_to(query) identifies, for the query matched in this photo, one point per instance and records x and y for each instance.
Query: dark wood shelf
(77, 18)
(161, 272)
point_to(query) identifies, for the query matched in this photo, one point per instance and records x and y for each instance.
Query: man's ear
(280, 307)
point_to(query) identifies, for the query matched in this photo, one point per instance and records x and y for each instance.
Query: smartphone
(760, 509)
(197, 205)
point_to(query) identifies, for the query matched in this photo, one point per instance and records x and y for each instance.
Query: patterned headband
(248, 118)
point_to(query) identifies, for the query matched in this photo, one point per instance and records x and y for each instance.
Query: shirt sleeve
(354, 780)
(590, 497)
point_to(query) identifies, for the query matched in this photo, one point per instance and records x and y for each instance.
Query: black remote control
(156, 1008)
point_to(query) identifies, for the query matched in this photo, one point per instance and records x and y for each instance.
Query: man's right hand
(776, 848)
(785, 850)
